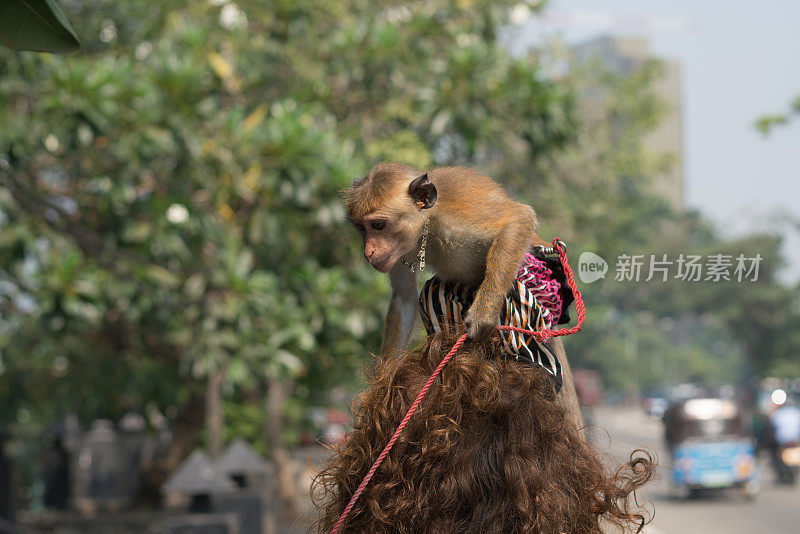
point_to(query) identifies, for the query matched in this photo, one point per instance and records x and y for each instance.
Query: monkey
(461, 223)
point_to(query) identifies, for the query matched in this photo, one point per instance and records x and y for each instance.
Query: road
(617, 432)
(776, 510)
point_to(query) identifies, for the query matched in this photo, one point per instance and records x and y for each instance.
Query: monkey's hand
(480, 328)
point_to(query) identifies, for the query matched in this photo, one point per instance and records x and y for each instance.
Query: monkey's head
(388, 207)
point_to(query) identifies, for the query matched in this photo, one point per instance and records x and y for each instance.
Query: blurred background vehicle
(710, 447)
(781, 435)
(655, 403)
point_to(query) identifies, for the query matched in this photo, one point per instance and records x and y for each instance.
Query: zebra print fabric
(444, 306)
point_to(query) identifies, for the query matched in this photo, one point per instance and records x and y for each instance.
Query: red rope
(397, 433)
(542, 336)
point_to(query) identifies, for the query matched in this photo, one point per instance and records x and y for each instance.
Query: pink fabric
(539, 279)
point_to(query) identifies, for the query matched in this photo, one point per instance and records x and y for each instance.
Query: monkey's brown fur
(478, 235)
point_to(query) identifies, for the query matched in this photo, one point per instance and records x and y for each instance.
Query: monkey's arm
(402, 310)
(502, 264)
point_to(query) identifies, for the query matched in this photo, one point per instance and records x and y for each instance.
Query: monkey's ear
(422, 192)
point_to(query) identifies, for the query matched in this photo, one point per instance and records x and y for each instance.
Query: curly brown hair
(488, 450)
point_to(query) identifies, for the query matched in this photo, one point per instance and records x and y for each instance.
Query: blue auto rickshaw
(710, 448)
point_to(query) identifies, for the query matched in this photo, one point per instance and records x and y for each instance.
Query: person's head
(488, 450)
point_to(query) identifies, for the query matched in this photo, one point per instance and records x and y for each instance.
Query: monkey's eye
(359, 227)
(379, 225)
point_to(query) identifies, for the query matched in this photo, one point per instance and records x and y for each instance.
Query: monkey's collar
(411, 266)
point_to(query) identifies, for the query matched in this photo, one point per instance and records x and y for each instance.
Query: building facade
(623, 56)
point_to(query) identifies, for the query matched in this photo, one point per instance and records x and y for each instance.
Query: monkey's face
(387, 210)
(385, 240)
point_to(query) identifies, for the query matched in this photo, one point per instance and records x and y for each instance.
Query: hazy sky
(739, 60)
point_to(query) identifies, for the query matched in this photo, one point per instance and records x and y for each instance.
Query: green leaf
(766, 123)
(36, 25)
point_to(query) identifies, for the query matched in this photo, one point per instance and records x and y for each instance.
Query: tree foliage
(767, 123)
(597, 194)
(171, 203)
